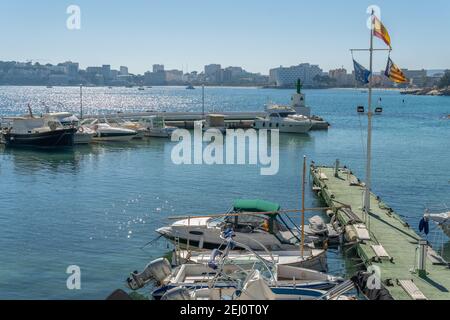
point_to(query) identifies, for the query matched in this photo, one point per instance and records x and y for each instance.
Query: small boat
(37, 133)
(313, 259)
(225, 271)
(155, 126)
(141, 88)
(441, 219)
(49, 87)
(255, 223)
(107, 133)
(284, 119)
(121, 123)
(190, 87)
(84, 134)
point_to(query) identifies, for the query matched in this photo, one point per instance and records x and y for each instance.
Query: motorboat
(190, 87)
(223, 270)
(255, 223)
(225, 277)
(313, 259)
(155, 126)
(84, 134)
(104, 132)
(37, 132)
(283, 119)
(297, 110)
(441, 219)
(126, 124)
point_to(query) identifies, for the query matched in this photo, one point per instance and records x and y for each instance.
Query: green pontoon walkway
(391, 244)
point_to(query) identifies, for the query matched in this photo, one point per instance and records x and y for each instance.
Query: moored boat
(37, 133)
(107, 133)
(255, 223)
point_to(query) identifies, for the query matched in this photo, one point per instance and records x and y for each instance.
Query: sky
(255, 34)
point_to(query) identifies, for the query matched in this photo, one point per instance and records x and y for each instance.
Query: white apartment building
(288, 76)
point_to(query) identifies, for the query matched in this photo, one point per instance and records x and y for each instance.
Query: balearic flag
(361, 74)
(394, 73)
(380, 31)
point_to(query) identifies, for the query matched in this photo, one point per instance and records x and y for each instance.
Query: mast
(81, 101)
(369, 134)
(303, 206)
(203, 101)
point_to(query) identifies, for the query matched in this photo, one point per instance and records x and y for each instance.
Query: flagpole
(369, 134)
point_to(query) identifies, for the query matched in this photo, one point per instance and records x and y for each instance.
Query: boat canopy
(255, 206)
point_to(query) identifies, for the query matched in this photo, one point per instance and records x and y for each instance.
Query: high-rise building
(123, 71)
(106, 71)
(287, 77)
(158, 67)
(213, 72)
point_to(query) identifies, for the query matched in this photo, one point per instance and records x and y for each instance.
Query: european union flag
(361, 74)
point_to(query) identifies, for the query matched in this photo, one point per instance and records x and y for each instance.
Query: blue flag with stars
(361, 74)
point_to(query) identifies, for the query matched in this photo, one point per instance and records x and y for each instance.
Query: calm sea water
(97, 206)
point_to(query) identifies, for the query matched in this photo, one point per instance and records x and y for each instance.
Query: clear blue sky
(255, 34)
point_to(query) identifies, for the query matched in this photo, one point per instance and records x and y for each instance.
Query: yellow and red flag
(394, 73)
(380, 31)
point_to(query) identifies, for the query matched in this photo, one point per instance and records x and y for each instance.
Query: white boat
(283, 119)
(226, 271)
(107, 133)
(84, 134)
(155, 126)
(441, 219)
(126, 124)
(299, 110)
(249, 222)
(313, 259)
(227, 278)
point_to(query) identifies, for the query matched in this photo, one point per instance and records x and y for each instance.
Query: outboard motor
(212, 261)
(157, 270)
(318, 226)
(177, 294)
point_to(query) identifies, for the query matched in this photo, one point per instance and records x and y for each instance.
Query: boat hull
(301, 128)
(113, 137)
(50, 139)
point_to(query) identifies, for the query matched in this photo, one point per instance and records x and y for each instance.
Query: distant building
(174, 76)
(287, 77)
(155, 78)
(342, 78)
(213, 73)
(416, 77)
(94, 70)
(106, 71)
(123, 71)
(158, 68)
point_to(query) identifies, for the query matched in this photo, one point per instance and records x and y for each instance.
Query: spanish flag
(394, 73)
(380, 31)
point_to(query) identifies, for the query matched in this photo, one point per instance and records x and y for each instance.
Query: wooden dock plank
(387, 229)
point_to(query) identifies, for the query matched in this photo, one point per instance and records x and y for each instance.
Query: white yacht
(284, 119)
(108, 133)
(441, 219)
(155, 126)
(84, 134)
(255, 223)
(299, 110)
(126, 124)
